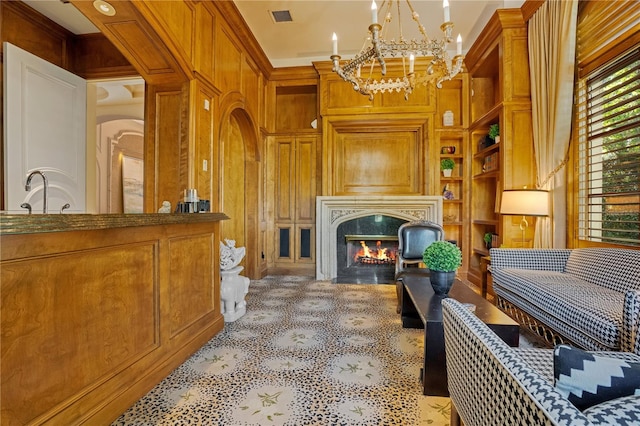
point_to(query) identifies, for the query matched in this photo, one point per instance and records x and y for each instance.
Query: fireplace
(345, 223)
(366, 249)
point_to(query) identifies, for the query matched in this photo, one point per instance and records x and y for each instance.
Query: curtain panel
(552, 46)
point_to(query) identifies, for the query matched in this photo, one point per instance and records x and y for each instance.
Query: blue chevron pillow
(586, 379)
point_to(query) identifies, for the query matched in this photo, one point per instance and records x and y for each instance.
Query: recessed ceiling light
(104, 7)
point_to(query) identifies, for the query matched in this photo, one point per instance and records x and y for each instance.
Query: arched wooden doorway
(240, 186)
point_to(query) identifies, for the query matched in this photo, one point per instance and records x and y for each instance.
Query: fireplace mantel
(331, 211)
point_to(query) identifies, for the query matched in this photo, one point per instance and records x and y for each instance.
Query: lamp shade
(525, 202)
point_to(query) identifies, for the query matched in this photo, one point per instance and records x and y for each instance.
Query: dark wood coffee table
(421, 307)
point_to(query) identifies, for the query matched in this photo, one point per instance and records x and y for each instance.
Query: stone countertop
(36, 223)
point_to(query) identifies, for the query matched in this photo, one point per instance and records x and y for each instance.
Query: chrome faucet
(27, 187)
(26, 206)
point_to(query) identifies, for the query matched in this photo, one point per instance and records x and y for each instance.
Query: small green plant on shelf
(442, 256)
(494, 132)
(446, 165)
(487, 239)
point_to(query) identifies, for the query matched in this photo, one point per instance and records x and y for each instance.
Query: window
(609, 152)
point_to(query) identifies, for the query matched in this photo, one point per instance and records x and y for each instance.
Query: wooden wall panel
(24, 27)
(306, 179)
(136, 41)
(94, 56)
(339, 97)
(79, 319)
(190, 265)
(518, 156)
(228, 61)
(234, 180)
(205, 38)
(519, 54)
(178, 18)
(383, 162)
(251, 86)
(285, 181)
(86, 316)
(296, 107)
(167, 156)
(338, 94)
(450, 98)
(204, 112)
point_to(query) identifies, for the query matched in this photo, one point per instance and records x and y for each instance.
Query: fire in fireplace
(368, 250)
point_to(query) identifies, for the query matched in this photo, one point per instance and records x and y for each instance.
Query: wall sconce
(525, 202)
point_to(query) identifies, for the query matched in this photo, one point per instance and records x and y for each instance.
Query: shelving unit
(500, 94)
(454, 97)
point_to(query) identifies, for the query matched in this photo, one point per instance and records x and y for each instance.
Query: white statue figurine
(166, 207)
(233, 286)
(230, 256)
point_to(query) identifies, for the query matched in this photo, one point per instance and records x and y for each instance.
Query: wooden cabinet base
(92, 319)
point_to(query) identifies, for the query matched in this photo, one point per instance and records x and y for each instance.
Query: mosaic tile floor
(306, 353)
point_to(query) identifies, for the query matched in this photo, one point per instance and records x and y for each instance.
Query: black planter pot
(441, 281)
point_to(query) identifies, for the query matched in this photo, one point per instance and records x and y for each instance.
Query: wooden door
(45, 130)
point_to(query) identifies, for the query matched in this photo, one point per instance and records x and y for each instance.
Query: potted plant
(494, 132)
(443, 259)
(446, 165)
(487, 239)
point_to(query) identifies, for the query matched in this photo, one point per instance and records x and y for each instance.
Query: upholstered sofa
(492, 384)
(589, 297)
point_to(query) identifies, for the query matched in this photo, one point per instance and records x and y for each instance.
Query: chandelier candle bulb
(459, 49)
(411, 61)
(447, 16)
(374, 12)
(335, 43)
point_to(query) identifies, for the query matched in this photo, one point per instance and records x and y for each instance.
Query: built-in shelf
(501, 95)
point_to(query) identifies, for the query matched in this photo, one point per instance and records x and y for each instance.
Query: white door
(44, 121)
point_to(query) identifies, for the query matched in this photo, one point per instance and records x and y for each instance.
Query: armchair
(413, 238)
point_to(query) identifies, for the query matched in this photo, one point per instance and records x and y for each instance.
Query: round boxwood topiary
(442, 256)
(447, 164)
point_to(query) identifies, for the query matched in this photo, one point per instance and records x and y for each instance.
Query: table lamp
(525, 202)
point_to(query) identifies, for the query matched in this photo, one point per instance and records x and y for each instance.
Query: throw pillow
(586, 379)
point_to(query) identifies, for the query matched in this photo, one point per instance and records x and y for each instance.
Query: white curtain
(552, 44)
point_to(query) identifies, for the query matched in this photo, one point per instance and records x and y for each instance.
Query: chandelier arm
(375, 40)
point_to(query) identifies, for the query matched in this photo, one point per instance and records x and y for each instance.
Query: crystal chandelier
(360, 70)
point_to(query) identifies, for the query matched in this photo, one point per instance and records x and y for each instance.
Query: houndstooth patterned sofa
(589, 297)
(492, 384)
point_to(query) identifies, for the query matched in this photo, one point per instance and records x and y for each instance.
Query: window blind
(609, 152)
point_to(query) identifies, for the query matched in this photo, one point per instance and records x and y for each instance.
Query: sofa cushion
(616, 269)
(586, 379)
(619, 411)
(568, 303)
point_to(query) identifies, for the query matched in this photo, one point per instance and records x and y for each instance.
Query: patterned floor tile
(305, 353)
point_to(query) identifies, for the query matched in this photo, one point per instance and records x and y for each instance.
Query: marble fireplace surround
(331, 211)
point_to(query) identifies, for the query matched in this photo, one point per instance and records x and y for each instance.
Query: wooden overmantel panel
(363, 157)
